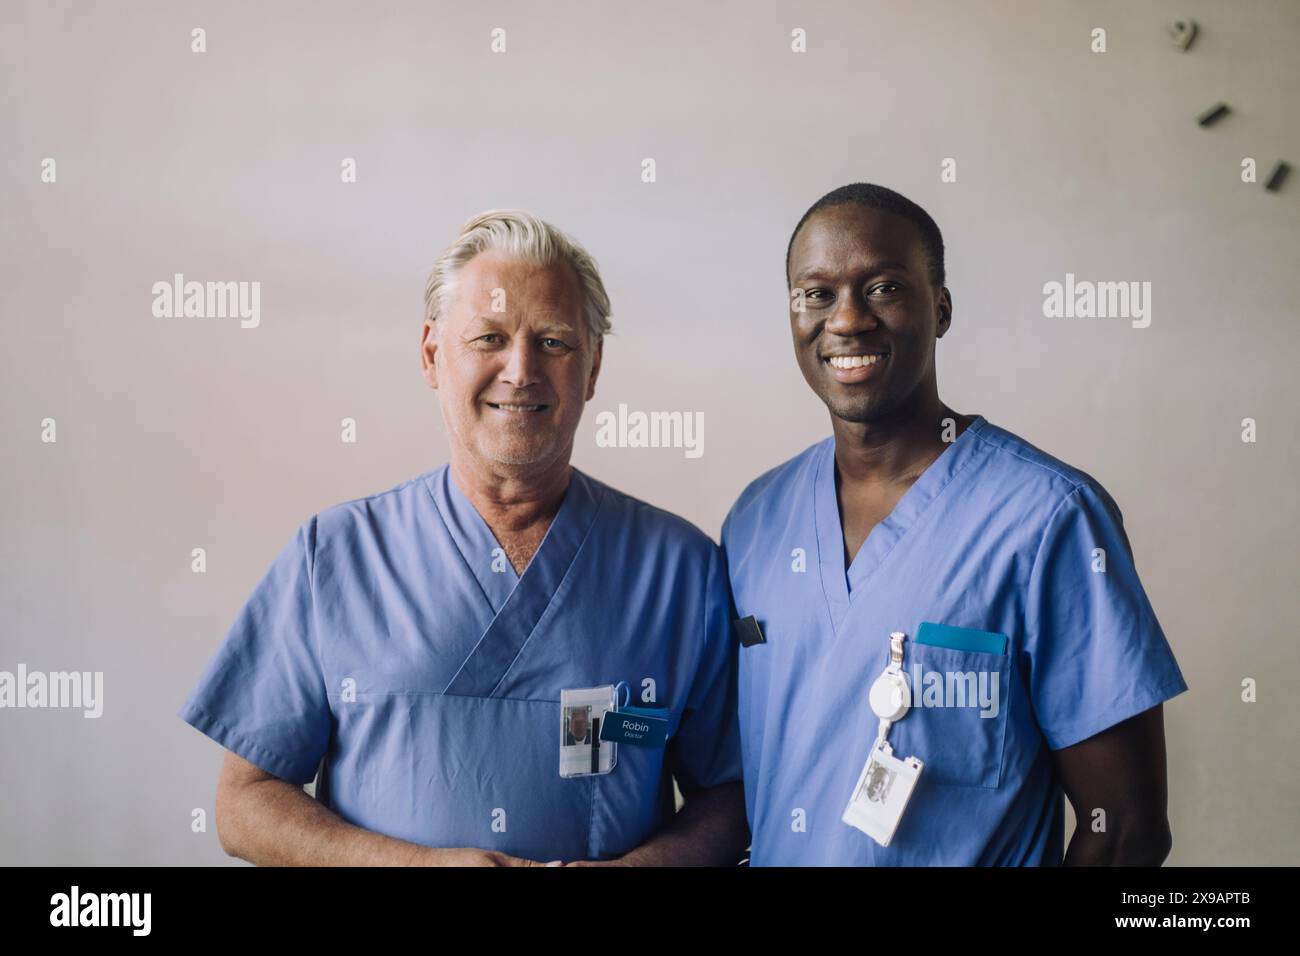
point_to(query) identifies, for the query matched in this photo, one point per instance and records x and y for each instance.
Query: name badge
(886, 783)
(884, 787)
(640, 727)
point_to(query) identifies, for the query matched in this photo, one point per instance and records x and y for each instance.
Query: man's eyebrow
(494, 320)
(818, 273)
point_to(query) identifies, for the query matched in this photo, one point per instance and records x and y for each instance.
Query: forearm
(1148, 846)
(1121, 771)
(710, 830)
(274, 823)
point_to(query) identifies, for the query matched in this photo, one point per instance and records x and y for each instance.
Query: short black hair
(871, 196)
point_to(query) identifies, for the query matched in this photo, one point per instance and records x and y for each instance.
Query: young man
(927, 585)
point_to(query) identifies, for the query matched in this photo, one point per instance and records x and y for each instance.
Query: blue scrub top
(392, 644)
(995, 536)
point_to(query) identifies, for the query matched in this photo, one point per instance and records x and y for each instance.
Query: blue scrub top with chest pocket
(392, 645)
(995, 536)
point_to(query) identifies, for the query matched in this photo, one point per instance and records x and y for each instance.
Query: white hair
(517, 234)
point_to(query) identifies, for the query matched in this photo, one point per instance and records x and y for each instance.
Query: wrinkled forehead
(849, 239)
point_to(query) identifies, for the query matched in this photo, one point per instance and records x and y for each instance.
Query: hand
(469, 856)
(615, 862)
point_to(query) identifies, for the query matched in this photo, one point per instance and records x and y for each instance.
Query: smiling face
(512, 383)
(865, 340)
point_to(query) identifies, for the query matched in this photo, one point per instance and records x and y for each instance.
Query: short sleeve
(705, 751)
(1097, 655)
(262, 694)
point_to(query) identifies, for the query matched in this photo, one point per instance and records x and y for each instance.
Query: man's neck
(511, 499)
(896, 449)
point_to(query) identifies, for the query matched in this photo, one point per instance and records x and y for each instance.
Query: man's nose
(521, 364)
(852, 315)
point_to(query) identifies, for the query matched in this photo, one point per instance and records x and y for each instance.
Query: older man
(428, 647)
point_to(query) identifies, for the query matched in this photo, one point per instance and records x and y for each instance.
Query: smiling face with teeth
(512, 383)
(865, 338)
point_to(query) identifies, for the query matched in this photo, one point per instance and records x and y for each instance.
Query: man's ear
(595, 367)
(945, 313)
(429, 353)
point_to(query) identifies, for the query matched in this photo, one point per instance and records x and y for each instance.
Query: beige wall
(183, 433)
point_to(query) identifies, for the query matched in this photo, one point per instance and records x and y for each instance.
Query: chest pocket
(449, 770)
(958, 721)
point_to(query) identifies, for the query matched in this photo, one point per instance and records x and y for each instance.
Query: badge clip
(885, 785)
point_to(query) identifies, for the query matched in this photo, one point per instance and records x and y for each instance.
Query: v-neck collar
(474, 540)
(843, 585)
(514, 621)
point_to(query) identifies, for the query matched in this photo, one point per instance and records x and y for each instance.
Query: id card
(881, 794)
(582, 712)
